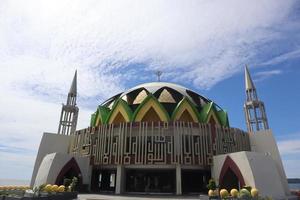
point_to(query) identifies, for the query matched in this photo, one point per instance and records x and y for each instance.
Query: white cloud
(283, 57)
(209, 41)
(259, 76)
(291, 167)
(288, 147)
(113, 42)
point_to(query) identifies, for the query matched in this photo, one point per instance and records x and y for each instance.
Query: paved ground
(136, 197)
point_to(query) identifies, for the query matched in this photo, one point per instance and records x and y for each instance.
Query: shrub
(211, 184)
(244, 194)
(248, 187)
(67, 182)
(73, 184)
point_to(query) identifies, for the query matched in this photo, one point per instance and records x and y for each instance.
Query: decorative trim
(149, 102)
(185, 104)
(119, 107)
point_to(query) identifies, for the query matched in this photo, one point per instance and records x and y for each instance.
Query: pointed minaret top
(248, 81)
(73, 89)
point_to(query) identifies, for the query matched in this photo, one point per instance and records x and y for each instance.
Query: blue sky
(115, 45)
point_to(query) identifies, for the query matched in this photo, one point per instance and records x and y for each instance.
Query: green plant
(244, 194)
(73, 183)
(37, 190)
(67, 182)
(211, 184)
(248, 187)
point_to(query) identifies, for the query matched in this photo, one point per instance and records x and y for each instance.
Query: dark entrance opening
(70, 174)
(103, 180)
(230, 180)
(231, 176)
(69, 171)
(194, 181)
(150, 181)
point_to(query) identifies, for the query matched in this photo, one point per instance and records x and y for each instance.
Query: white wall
(264, 142)
(50, 143)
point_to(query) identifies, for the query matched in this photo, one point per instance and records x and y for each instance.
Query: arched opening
(230, 180)
(230, 176)
(70, 170)
(118, 119)
(185, 117)
(151, 116)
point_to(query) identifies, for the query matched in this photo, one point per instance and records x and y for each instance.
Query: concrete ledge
(59, 196)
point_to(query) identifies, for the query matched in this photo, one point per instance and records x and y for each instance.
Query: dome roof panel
(168, 97)
(156, 88)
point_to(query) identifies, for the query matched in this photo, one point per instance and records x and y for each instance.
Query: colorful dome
(159, 101)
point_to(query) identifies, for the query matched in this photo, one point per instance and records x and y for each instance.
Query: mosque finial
(158, 73)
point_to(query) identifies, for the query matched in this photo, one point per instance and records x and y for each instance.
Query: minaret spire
(73, 88)
(73, 91)
(248, 81)
(69, 112)
(254, 109)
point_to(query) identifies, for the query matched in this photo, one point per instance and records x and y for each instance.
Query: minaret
(254, 109)
(69, 112)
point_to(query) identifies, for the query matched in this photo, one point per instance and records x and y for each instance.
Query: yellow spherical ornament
(211, 193)
(61, 188)
(54, 188)
(48, 187)
(224, 193)
(234, 193)
(254, 192)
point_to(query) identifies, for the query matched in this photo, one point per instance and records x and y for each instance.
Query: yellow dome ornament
(254, 192)
(61, 188)
(234, 193)
(224, 193)
(54, 188)
(47, 188)
(212, 193)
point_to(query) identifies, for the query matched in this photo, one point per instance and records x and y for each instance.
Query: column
(178, 180)
(120, 179)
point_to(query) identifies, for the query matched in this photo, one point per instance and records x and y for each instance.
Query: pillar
(120, 179)
(178, 180)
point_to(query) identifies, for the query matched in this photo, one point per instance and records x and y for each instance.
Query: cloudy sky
(115, 45)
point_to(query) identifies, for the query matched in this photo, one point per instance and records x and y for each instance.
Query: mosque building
(162, 138)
